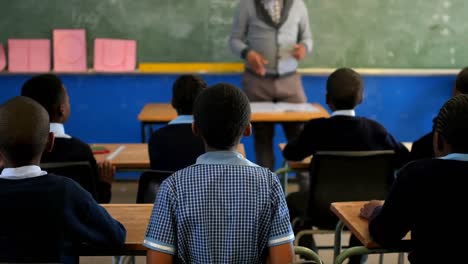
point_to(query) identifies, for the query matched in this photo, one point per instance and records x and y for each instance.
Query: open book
(270, 107)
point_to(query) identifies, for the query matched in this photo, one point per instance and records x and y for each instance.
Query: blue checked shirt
(223, 209)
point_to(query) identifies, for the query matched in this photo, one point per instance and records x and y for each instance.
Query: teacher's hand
(299, 52)
(257, 62)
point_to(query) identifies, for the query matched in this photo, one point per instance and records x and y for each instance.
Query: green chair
(308, 254)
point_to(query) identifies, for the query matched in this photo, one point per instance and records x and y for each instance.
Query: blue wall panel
(105, 106)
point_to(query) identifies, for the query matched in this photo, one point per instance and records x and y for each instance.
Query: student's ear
(247, 131)
(195, 129)
(361, 96)
(455, 91)
(50, 142)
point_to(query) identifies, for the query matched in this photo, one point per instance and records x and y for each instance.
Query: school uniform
(174, 147)
(427, 199)
(68, 149)
(223, 209)
(343, 131)
(423, 148)
(45, 217)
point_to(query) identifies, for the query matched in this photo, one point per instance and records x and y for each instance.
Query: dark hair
(47, 90)
(24, 129)
(344, 88)
(184, 92)
(221, 114)
(461, 84)
(452, 123)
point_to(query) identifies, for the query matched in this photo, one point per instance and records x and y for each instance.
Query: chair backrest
(79, 171)
(148, 185)
(347, 176)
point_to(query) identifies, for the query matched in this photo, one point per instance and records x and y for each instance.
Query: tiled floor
(125, 192)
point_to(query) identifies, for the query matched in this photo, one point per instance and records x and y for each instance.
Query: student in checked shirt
(223, 209)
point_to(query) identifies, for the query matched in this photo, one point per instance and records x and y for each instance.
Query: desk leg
(143, 132)
(338, 233)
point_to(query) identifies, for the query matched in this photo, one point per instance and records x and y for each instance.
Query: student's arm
(302, 146)
(161, 232)
(305, 37)
(103, 186)
(153, 256)
(89, 223)
(281, 234)
(281, 254)
(239, 30)
(390, 222)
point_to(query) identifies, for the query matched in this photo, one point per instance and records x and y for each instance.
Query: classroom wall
(105, 106)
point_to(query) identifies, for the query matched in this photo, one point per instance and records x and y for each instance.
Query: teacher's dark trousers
(287, 88)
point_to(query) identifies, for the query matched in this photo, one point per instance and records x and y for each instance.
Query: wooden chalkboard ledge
(384, 72)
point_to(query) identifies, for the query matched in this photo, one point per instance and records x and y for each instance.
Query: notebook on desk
(270, 107)
(99, 150)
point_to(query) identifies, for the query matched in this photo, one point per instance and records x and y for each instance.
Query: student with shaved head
(43, 216)
(49, 91)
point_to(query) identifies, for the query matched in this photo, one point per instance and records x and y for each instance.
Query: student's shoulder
(172, 130)
(419, 168)
(73, 143)
(372, 124)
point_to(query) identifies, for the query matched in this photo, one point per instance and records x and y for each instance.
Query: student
(223, 209)
(49, 91)
(423, 147)
(44, 216)
(174, 147)
(427, 194)
(343, 131)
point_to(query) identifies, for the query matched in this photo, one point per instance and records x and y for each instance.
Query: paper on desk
(70, 50)
(114, 55)
(269, 107)
(2, 58)
(29, 55)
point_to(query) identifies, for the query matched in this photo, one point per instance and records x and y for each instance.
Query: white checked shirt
(274, 8)
(224, 209)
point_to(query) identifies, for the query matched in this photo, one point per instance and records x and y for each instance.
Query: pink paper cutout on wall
(28, 55)
(70, 50)
(2, 58)
(114, 55)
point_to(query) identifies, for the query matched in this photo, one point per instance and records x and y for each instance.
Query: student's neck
(210, 149)
(10, 164)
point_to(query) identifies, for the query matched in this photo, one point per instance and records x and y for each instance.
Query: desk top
(162, 113)
(348, 213)
(135, 218)
(132, 156)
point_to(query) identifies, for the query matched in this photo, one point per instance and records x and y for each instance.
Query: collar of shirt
(349, 112)
(456, 156)
(182, 119)
(225, 158)
(59, 130)
(23, 172)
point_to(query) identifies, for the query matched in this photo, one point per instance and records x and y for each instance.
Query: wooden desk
(348, 214)
(163, 113)
(135, 218)
(132, 156)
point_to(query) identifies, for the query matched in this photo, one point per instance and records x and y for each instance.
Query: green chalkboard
(355, 33)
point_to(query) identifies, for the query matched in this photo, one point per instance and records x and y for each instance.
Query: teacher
(271, 36)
